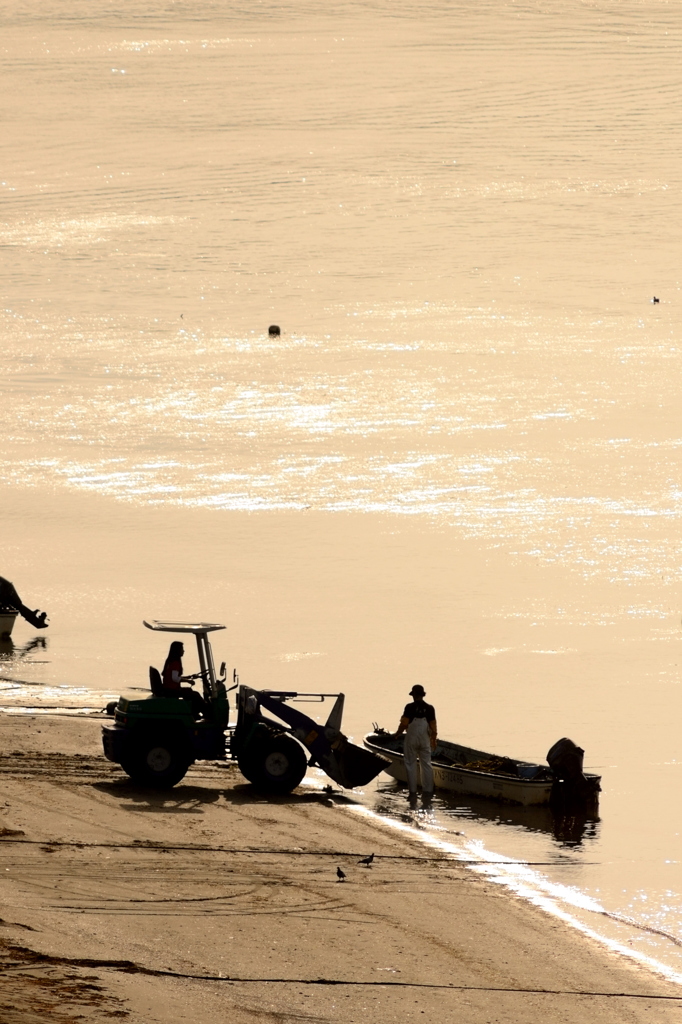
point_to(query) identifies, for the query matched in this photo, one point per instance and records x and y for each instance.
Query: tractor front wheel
(273, 763)
(159, 761)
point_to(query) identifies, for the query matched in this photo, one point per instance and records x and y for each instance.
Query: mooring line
(130, 967)
(151, 845)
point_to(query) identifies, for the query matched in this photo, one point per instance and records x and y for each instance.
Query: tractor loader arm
(346, 763)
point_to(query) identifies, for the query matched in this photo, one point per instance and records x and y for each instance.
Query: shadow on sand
(186, 798)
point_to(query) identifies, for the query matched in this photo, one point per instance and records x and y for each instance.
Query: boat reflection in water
(568, 828)
(9, 651)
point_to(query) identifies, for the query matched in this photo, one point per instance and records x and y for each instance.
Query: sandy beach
(210, 902)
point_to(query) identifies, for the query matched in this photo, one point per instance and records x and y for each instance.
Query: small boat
(7, 618)
(461, 769)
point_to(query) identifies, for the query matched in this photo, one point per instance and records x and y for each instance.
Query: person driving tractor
(173, 677)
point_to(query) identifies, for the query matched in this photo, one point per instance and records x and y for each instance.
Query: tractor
(156, 739)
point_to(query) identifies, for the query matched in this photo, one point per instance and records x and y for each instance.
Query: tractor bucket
(336, 714)
(350, 765)
(343, 761)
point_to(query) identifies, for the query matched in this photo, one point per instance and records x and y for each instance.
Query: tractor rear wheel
(159, 760)
(273, 763)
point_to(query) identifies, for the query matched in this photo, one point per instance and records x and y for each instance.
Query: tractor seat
(155, 681)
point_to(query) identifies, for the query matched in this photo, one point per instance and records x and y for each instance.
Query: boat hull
(455, 778)
(7, 620)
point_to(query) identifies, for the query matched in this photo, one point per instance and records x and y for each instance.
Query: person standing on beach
(10, 599)
(419, 724)
(173, 677)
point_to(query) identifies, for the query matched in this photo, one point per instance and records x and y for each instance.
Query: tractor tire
(160, 761)
(273, 763)
(247, 757)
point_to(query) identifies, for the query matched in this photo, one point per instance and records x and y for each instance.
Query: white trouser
(418, 747)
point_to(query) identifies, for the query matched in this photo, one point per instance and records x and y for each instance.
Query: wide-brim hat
(417, 691)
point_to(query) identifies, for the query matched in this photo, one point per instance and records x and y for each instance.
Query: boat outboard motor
(565, 759)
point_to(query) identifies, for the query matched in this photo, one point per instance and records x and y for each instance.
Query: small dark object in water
(274, 331)
(367, 861)
(341, 875)
(655, 299)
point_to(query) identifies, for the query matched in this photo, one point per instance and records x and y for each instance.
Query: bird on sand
(367, 861)
(655, 299)
(341, 875)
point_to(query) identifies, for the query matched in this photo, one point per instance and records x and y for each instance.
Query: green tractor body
(156, 739)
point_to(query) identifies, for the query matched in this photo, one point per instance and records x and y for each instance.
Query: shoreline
(515, 876)
(512, 870)
(211, 899)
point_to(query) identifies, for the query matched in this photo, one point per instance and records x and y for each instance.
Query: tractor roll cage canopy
(204, 652)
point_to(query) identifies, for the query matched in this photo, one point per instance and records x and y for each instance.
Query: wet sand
(209, 902)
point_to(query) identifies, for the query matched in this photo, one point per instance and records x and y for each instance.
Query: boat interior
(452, 755)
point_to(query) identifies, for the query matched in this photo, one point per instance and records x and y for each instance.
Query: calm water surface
(459, 213)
